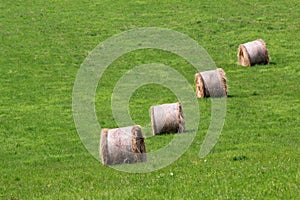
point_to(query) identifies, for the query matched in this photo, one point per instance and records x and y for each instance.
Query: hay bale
(122, 145)
(252, 53)
(211, 83)
(167, 118)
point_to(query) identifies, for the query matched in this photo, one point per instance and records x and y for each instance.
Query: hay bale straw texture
(167, 118)
(211, 83)
(252, 53)
(122, 145)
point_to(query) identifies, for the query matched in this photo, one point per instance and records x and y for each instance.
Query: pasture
(44, 43)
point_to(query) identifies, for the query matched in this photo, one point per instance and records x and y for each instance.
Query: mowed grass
(42, 45)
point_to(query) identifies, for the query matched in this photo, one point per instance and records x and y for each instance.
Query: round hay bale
(211, 83)
(122, 145)
(252, 53)
(167, 118)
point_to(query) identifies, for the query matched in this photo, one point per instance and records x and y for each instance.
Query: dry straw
(211, 83)
(122, 145)
(252, 53)
(167, 118)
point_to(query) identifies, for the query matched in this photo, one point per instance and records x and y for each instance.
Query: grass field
(42, 45)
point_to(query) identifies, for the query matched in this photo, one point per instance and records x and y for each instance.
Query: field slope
(42, 45)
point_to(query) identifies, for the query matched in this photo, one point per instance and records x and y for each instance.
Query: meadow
(44, 43)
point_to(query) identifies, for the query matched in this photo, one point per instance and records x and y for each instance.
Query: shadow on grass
(254, 93)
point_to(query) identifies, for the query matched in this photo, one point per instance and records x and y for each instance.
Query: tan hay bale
(252, 53)
(167, 118)
(211, 83)
(122, 145)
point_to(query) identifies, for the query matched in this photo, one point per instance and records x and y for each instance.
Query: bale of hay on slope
(211, 83)
(122, 145)
(167, 118)
(252, 53)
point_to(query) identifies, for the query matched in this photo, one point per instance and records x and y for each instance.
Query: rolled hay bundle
(211, 83)
(167, 118)
(252, 53)
(122, 145)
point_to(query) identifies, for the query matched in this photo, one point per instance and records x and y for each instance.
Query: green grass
(42, 45)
